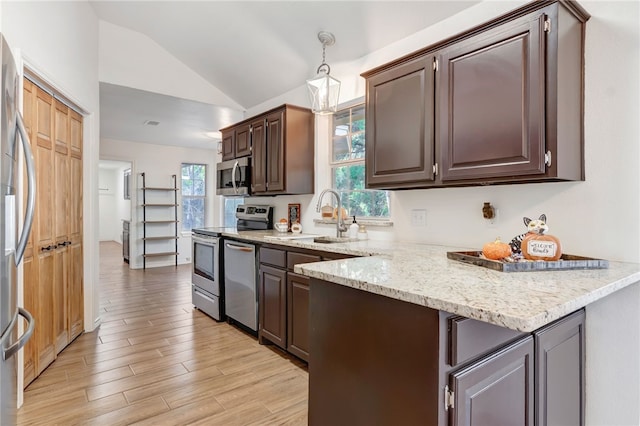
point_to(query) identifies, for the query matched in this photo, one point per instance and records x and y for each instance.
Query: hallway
(156, 360)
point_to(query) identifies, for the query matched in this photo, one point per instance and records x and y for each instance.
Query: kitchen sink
(333, 240)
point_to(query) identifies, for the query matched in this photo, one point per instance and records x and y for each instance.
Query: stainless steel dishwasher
(241, 283)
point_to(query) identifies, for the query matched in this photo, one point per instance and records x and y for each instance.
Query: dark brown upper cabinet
(491, 103)
(243, 140)
(283, 152)
(508, 105)
(228, 144)
(236, 142)
(399, 125)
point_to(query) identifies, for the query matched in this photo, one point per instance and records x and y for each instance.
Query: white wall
(129, 58)
(159, 162)
(68, 61)
(113, 207)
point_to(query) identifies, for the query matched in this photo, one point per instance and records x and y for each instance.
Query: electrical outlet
(188, 259)
(419, 217)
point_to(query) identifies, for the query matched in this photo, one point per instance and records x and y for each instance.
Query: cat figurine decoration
(538, 226)
(536, 244)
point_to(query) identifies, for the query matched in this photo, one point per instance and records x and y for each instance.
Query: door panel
(275, 152)
(491, 103)
(298, 315)
(496, 390)
(259, 161)
(399, 122)
(243, 141)
(273, 305)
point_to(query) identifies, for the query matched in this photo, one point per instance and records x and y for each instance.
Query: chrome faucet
(340, 225)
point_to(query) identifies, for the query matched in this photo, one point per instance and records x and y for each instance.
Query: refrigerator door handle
(11, 350)
(31, 191)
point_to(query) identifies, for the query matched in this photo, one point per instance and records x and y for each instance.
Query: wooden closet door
(61, 227)
(76, 289)
(44, 241)
(29, 264)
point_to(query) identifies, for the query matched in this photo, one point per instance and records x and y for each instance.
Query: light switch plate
(419, 217)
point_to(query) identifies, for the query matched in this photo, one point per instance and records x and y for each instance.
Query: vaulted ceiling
(256, 50)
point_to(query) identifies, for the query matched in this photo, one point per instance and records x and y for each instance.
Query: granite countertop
(422, 274)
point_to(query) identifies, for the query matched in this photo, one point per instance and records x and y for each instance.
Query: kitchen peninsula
(385, 325)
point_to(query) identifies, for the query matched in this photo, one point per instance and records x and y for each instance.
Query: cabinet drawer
(470, 338)
(273, 257)
(296, 258)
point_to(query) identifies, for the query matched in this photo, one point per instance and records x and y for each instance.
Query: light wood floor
(155, 360)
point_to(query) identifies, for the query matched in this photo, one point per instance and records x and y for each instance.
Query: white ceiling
(253, 50)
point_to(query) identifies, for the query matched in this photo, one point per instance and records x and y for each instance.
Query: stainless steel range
(207, 276)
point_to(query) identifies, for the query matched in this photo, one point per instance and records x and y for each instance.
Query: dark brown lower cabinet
(560, 372)
(273, 305)
(378, 360)
(298, 314)
(284, 299)
(496, 390)
(373, 360)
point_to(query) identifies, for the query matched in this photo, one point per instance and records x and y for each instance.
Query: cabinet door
(30, 270)
(228, 144)
(259, 158)
(76, 269)
(275, 152)
(560, 372)
(491, 103)
(298, 315)
(399, 126)
(61, 226)
(44, 241)
(496, 390)
(273, 305)
(243, 140)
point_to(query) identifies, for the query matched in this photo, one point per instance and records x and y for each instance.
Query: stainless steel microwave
(233, 177)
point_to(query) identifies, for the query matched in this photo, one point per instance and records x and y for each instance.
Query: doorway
(114, 187)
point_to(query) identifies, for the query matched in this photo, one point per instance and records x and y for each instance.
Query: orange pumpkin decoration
(496, 250)
(541, 247)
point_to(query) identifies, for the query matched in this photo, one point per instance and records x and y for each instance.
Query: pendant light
(324, 89)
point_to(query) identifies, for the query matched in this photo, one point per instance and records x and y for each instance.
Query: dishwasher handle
(240, 248)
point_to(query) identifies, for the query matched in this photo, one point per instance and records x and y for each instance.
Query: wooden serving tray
(566, 262)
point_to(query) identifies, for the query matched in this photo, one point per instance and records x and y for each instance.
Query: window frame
(333, 164)
(193, 197)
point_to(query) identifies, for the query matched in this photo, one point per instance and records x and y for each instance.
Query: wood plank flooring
(155, 360)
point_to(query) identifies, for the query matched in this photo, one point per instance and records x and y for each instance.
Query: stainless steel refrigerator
(12, 133)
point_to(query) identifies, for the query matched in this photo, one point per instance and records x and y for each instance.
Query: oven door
(205, 257)
(233, 177)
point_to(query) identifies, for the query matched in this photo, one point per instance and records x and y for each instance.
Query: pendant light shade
(324, 90)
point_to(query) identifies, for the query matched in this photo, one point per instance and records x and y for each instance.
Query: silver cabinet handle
(11, 350)
(233, 177)
(239, 248)
(31, 191)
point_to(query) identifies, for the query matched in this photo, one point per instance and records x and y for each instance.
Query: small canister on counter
(362, 233)
(327, 211)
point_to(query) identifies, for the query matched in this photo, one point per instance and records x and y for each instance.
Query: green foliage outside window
(348, 167)
(194, 190)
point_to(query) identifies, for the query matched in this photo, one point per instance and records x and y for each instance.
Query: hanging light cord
(324, 64)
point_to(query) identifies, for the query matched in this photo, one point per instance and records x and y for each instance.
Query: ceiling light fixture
(324, 89)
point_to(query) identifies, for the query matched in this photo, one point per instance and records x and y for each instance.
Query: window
(348, 168)
(193, 195)
(230, 205)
